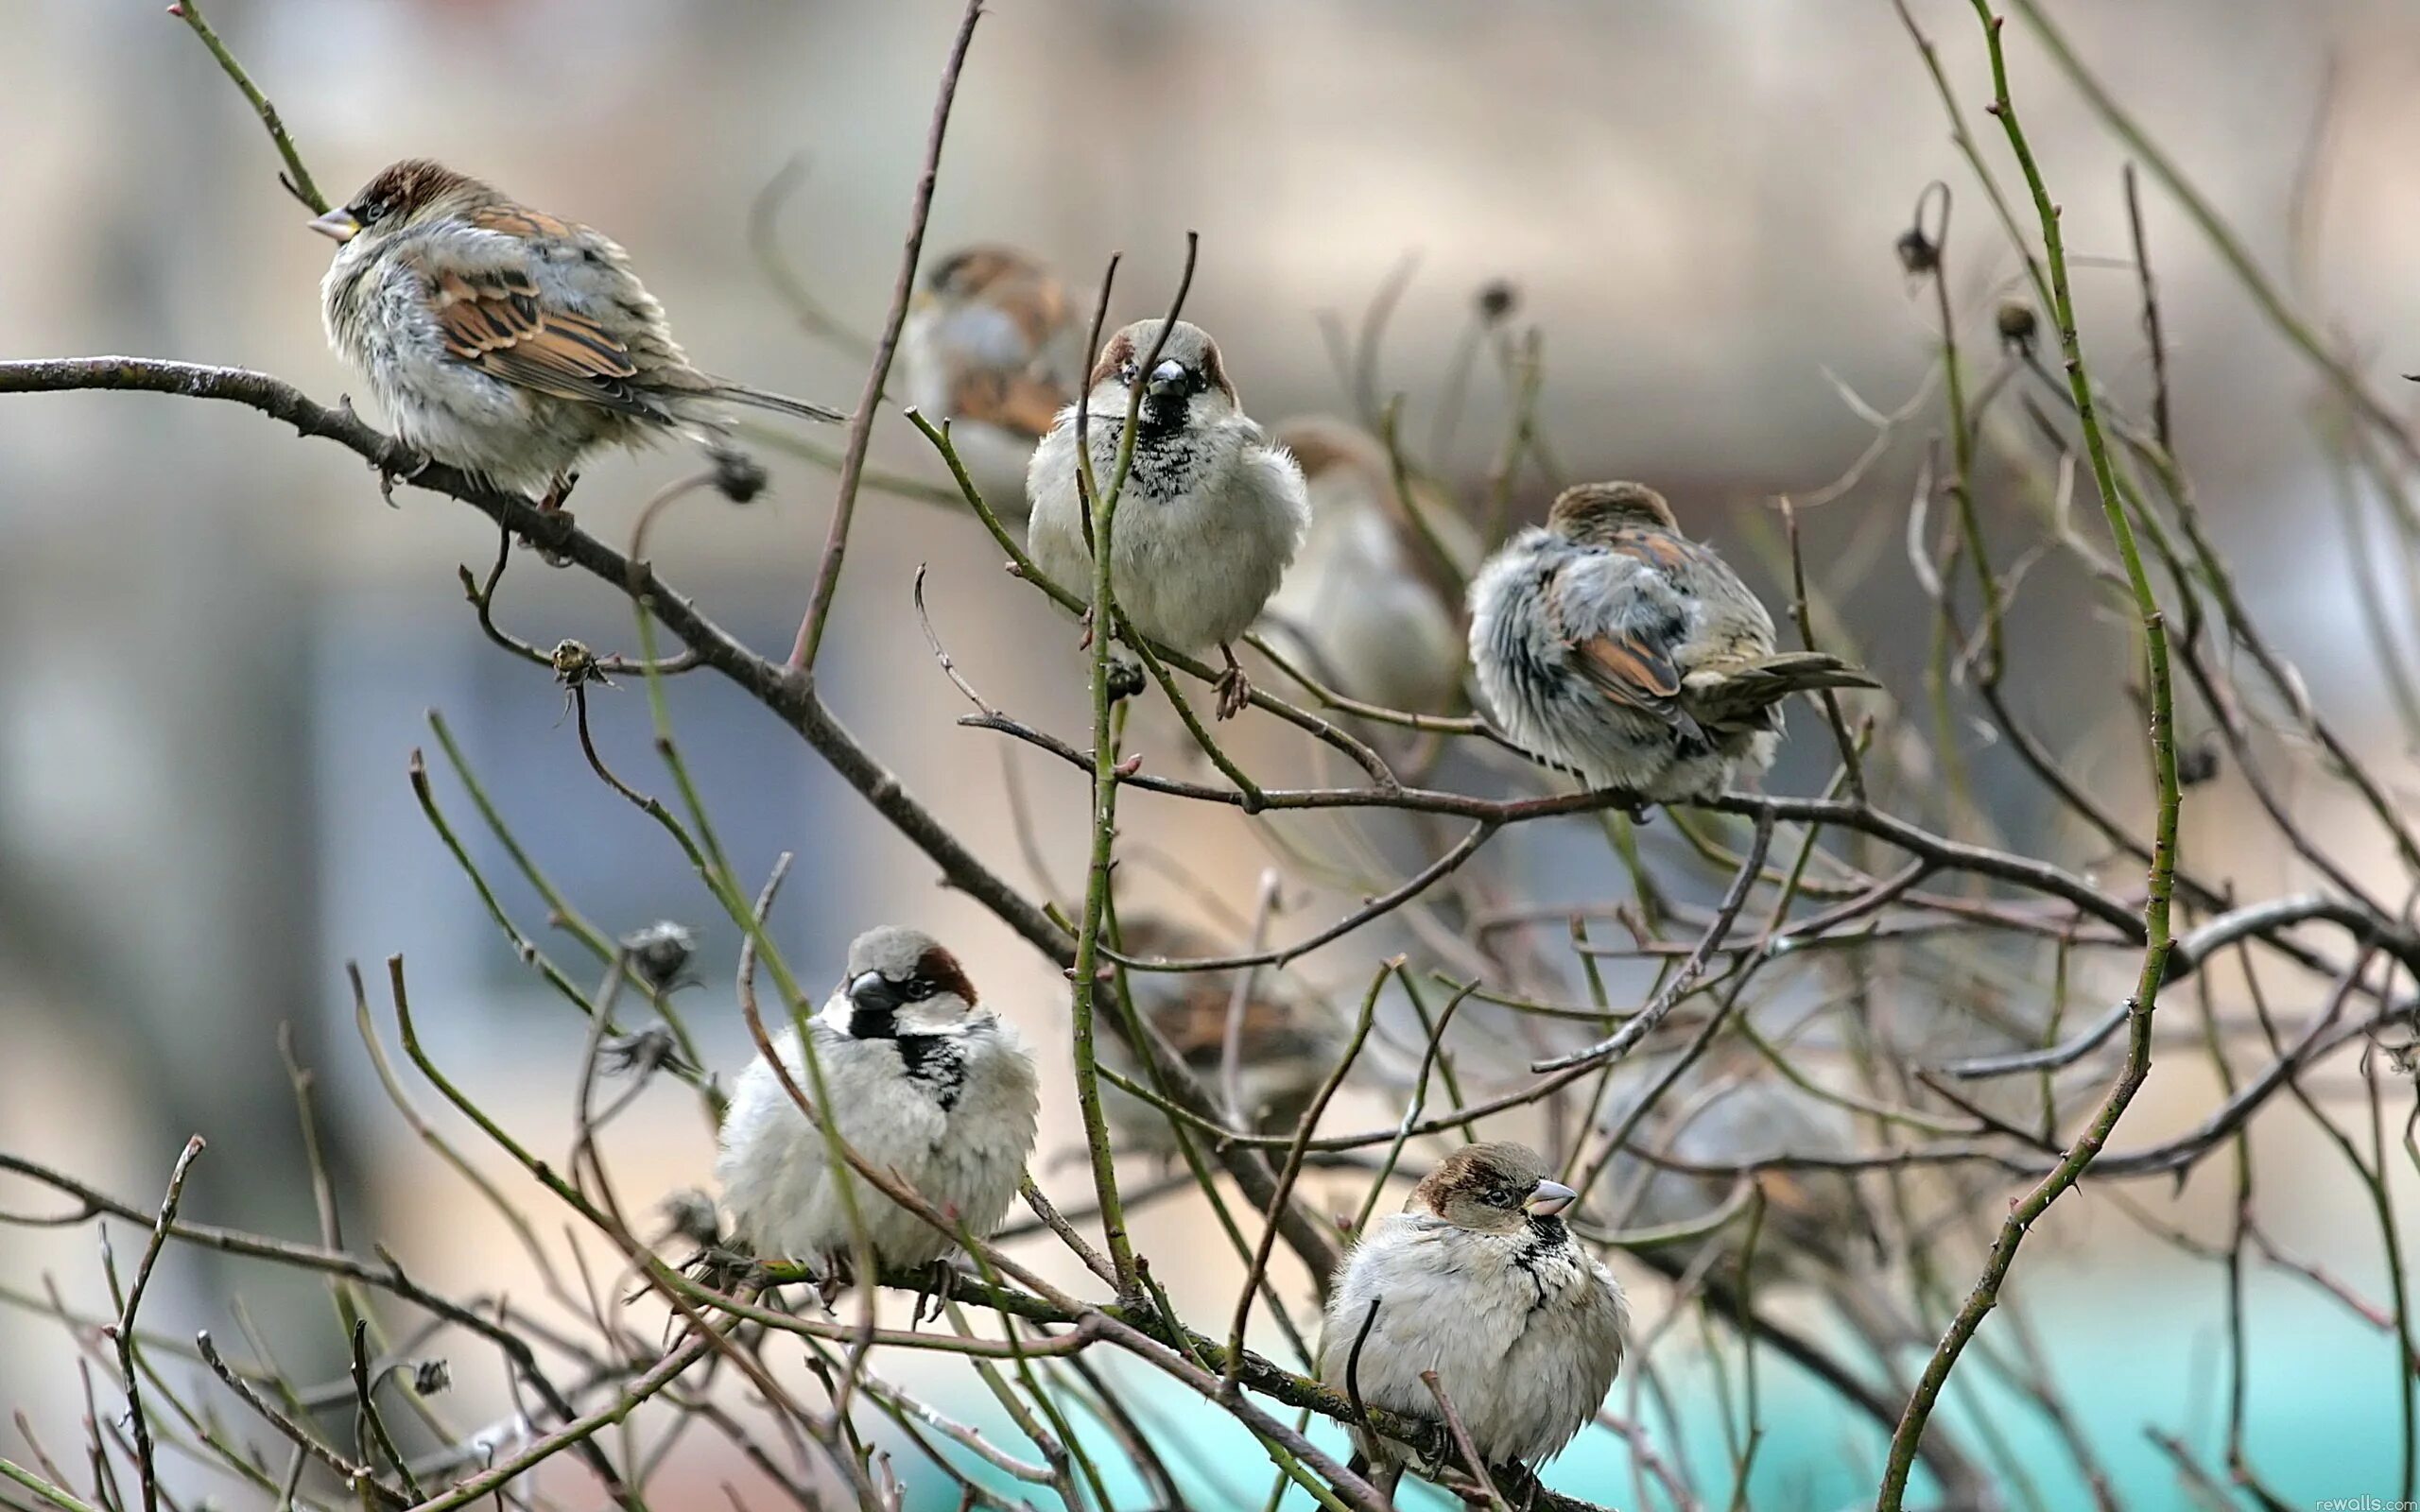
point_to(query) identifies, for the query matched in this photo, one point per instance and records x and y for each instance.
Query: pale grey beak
(1171, 379)
(338, 225)
(1549, 1198)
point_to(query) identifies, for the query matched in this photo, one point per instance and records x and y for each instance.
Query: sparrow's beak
(338, 225)
(1171, 379)
(872, 990)
(1549, 1198)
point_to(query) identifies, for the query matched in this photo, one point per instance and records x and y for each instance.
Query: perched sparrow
(505, 342)
(1287, 1041)
(1368, 599)
(1815, 1221)
(1612, 644)
(1478, 1281)
(922, 1081)
(995, 345)
(1212, 512)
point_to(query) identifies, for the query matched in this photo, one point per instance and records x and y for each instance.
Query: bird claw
(1234, 692)
(559, 522)
(722, 1269)
(390, 475)
(834, 1280)
(942, 1288)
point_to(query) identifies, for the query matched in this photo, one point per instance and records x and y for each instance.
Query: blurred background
(222, 647)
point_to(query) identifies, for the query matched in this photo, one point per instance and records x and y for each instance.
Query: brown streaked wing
(1196, 1025)
(1014, 401)
(1633, 671)
(495, 320)
(520, 220)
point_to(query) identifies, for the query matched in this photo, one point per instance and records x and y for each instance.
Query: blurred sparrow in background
(505, 342)
(1608, 641)
(995, 347)
(1814, 1220)
(924, 1081)
(1212, 512)
(1478, 1281)
(1287, 1040)
(1378, 613)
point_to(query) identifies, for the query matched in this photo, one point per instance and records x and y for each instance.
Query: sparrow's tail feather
(780, 403)
(1727, 693)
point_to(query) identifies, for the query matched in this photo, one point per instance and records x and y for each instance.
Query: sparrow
(507, 343)
(995, 346)
(1287, 1041)
(1212, 513)
(1478, 1281)
(1815, 1222)
(1616, 645)
(1379, 613)
(924, 1081)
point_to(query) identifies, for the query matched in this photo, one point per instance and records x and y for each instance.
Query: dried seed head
(641, 1055)
(2198, 762)
(575, 665)
(690, 1213)
(661, 951)
(1917, 253)
(1498, 298)
(2017, 326)
(739, 477)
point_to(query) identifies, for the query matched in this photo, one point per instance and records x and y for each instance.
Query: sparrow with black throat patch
(924, 1080)
(507, 343)
(1212, 512)
(1608, 641)
(1478, 1281)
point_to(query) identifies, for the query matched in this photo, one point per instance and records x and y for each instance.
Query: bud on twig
(575, 665)
(739, 477)
(1498, 298)
(690, 1213)
(2017, 326)
(641, 1054)
(660, 952)
(1917, 253)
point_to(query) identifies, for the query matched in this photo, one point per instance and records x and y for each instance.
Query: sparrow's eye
(917, 989)
(369, 211)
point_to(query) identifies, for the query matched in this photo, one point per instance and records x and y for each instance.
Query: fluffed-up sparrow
(924, 1080)
(1610, 642)
(505, 342)
(1478, 1281)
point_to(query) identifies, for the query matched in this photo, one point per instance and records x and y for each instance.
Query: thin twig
(122, 1332)
(853, 456)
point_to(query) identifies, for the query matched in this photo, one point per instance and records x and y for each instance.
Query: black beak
(1171, 379)
(872, 992)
